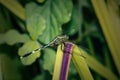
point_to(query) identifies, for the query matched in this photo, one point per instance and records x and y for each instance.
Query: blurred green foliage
(45, 19)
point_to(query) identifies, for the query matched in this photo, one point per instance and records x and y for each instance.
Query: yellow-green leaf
(14, 7)
(12, 37)
(81, 65)
(26, 48)
(58, 63)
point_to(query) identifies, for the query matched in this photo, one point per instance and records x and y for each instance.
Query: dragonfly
(58, 40)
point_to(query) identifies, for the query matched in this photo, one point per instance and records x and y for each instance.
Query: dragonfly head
(66, 37)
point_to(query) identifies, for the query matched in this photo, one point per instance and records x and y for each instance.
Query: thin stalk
(68, 47)
(107, 58)
(89, 41)
(91, 48)
(62, 62)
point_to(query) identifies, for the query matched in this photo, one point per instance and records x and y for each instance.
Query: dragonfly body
(55, 42)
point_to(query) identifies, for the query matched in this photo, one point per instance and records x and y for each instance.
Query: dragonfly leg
(82, 55)
(62, 46)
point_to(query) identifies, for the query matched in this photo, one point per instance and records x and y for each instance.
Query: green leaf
(1, 38)
(41, 1)
(84, 3)
(5, 22)
(55, 13)
(76, 21)
(12, 37)
(49, 59)
(92, 29)
(26, 48)
(10, 68)
(72, 70)
(35, 21)
(40, 77)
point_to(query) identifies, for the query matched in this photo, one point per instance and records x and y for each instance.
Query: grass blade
(58, 62)
(98, 67)
(14, 7)
(109, 28)
(81, 65)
